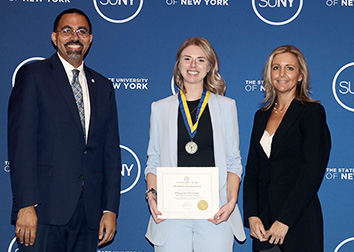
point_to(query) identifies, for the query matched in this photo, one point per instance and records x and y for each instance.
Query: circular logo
(131, 169)
(118, 11)
(341, 87)
(202, 205)
(277, 12)
(13, 246)
(21, 64)
(345, 242)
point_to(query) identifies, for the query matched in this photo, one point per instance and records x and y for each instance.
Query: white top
(266, 142)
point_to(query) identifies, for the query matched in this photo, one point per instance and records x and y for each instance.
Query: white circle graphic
(118, 21)
(273, 22)
(11, 245)
(334, 86)
(173, 86)
(342, 243)
(21, 64)
(139, 169)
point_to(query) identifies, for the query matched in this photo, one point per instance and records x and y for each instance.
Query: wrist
(150, 191)
(232, 201)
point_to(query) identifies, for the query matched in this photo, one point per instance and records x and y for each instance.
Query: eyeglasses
(68, 32)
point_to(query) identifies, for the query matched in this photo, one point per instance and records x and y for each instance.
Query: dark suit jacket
(48, 155)
(284, 186)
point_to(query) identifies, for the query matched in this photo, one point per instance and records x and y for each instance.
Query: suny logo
(342, 88)
(131, 169)
(118, 11)
(277, 12)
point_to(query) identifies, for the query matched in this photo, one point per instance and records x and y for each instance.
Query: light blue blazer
(162, 151)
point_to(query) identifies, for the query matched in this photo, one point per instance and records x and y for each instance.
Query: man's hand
(108, 228)
(26, 225)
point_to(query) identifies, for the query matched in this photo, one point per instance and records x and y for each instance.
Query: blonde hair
(303, 87)
(213, 80)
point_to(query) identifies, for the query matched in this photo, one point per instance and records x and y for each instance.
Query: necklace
(279, 111)
(194, 109)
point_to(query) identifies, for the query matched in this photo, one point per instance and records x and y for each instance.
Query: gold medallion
(202, 205)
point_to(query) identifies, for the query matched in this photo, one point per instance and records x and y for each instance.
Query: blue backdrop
(134, 45)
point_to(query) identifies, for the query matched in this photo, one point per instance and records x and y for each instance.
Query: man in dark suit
(63, 145)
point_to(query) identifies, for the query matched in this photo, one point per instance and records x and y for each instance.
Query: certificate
(187, 192)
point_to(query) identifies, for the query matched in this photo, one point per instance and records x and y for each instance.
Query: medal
(191, 147)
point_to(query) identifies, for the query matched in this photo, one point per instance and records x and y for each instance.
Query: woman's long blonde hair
(303, 86)
(213, 80)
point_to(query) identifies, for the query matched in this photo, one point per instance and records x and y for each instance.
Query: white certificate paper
(187, 192)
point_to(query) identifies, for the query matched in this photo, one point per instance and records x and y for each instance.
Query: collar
(68, 67)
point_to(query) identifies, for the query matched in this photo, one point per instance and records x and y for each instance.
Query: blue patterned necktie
(77, 90)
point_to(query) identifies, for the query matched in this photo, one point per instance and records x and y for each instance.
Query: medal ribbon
(192, 128)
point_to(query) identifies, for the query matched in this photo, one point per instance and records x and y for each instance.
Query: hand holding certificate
(188, 192)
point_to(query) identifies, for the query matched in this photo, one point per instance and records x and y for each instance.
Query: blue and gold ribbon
(192, 128)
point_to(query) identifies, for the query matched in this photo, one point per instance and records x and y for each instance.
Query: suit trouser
(198, 236)
(72, 237)
(274, 249)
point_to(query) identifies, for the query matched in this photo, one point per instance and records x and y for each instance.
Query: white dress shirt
(85, 92)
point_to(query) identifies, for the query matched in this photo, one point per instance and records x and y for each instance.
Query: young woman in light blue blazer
(216, 143)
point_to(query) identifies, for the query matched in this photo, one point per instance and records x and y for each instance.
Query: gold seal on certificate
(202, 205)
(191, 147)
(188, 192)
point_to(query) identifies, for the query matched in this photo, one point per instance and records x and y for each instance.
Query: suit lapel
(217, 126)
(216, 120)
(289, 119)
(61, 80)
(219, 137)
(92, 87)
(260, 126)
(173, 129)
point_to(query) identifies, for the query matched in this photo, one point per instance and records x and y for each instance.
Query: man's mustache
(74, 42)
